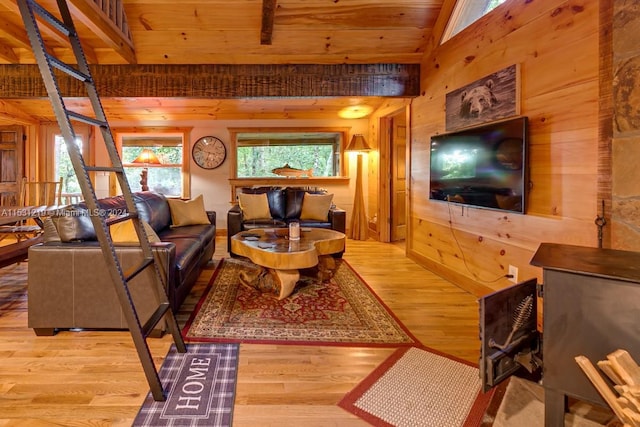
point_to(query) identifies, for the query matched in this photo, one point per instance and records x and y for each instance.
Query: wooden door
(11, 164)
(398, 183)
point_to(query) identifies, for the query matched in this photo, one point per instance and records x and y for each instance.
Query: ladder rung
(155, 318)
(139, 269)
(64, 67)
(103, 169)
(48, 17)
(89, 120)
(121, 218)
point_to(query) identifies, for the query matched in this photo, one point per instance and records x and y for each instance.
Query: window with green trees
(277, 154)
(165, 177)
(63, 167)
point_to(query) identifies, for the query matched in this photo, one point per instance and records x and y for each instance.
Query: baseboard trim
(460, 280)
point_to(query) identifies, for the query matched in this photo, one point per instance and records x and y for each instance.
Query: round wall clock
(209, 152)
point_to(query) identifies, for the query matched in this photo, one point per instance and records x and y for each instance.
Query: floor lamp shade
(146, 157)
(359, 227)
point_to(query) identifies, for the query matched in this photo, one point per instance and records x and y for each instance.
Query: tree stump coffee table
(282, 259)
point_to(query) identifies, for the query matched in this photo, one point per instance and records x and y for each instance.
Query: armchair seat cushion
(314, 223)
(264, 223)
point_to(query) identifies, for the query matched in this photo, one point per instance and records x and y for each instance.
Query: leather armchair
(285, 205)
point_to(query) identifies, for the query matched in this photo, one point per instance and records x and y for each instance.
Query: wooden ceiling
(237, 32)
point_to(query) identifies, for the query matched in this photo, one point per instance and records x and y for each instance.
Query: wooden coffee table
(282, 258)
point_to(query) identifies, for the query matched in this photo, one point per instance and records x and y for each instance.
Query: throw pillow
(254, 206)
(50, 233)
(74, 225)
(188, 212)
(125, 232)
(316, 206)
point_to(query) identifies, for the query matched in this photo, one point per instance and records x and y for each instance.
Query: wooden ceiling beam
(224, 81)
(268, 16)
(45, 28)
(11, 113)
(8, 55)
(15, 34)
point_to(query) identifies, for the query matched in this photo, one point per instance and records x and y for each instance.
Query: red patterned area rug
(342, 311)
(420, 387)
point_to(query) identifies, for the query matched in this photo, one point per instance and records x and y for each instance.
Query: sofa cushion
(254, 206)
(154, 208)
(294, 202)
(316, 206)
(125, 232)
(188, 212)
(203, 232)
(188, 252)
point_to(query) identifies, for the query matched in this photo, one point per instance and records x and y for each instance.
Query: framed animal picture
(493, 97)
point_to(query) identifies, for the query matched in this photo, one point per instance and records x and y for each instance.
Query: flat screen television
(484, 166)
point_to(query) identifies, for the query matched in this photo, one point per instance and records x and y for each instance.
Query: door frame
(384, 175)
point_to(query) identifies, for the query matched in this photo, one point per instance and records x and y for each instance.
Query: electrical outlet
(513, 272)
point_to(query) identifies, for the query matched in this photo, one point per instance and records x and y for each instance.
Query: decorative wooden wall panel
(556, 45)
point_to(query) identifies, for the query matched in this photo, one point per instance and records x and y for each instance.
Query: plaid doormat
(416, 387)
(199, 385)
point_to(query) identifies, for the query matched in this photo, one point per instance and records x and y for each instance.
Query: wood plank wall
(555, 42)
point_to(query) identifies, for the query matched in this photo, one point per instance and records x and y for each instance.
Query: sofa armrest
(69, 285)
(212, 217)
(338, 219)
(234, 223)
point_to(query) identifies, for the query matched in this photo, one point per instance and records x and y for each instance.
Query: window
(57, 161)
(167, 175)
(288, 153)
(467, 12)
(62, 166)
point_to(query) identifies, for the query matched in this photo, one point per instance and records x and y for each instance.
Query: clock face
(209, 152)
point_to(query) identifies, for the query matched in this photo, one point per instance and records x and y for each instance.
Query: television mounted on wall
(483, 166)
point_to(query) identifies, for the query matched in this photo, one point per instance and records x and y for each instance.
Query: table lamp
(146, 157)
(358, 229)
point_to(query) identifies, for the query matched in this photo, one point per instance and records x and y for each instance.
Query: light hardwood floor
(89, 378)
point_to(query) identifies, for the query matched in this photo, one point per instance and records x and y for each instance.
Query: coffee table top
(271, 247)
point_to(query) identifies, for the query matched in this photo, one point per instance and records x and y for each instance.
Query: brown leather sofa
(285, 205)
(69, 285)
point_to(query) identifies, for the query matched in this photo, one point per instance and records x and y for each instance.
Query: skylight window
(465, 13)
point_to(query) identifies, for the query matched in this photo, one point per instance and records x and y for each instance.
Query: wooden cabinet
(591, 304)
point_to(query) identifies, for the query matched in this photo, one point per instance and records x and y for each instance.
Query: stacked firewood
(624, 372)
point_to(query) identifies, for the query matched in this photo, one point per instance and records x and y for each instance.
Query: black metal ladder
(31, 13)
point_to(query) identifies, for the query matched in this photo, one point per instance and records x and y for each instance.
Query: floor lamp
(146, 157)
(359, 227)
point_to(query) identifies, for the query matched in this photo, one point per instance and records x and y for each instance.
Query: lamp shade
(147, 157)
(358, 143)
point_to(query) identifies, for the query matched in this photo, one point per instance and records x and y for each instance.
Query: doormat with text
(199, 385)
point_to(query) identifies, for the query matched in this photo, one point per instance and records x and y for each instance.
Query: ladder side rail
(46, 63)
(75, 154)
